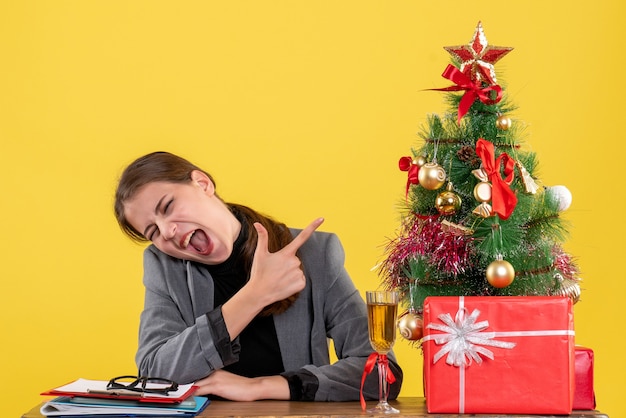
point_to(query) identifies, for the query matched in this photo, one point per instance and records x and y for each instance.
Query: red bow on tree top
(503, 199)
(473, 90)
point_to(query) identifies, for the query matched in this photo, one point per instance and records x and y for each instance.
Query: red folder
(98, 389)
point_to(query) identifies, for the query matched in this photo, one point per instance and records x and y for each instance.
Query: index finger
(304, 235)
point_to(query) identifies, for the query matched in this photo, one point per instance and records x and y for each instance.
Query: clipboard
(98, 389)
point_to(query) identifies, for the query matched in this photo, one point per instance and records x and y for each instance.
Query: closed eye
(152, 232)
(168, 205)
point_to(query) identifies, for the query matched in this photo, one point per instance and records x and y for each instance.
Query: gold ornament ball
(503, 123)
(500, 273)
(410, 326)
(419, 161)
(448, 202)
(431, 176)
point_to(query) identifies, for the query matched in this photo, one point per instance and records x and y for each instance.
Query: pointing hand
(278, 275)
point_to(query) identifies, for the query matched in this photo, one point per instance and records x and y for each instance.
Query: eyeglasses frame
(139, 384)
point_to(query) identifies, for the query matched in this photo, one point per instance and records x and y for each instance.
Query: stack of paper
(66, 406)
(91, 398)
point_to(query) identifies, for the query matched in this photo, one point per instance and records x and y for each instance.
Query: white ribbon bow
(463, 338)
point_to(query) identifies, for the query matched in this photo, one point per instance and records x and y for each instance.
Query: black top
(260, 353)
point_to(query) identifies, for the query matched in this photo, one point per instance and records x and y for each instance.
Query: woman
(236, 302)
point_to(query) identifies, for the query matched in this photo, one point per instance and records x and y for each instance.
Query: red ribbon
(473, 90)
(369, 366)
(406, 164)
(503, 199)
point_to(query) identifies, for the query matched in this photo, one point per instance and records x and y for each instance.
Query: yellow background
(299, 109)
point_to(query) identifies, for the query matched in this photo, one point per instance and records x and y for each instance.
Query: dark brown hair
(154, 167)
(166, 167)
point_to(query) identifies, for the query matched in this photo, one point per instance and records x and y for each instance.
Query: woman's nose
(168, 229)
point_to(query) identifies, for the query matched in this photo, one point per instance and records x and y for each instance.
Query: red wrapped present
(584, 396)
(499, 354)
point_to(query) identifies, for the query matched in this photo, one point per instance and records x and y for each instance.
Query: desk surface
(409, 407)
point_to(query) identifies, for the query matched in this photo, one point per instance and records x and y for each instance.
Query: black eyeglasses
(143, 384)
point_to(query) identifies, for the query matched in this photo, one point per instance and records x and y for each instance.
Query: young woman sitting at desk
(237, 302)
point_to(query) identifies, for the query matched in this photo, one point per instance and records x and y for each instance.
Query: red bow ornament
(407, 164)
(473, 90)
(503, 198)
(369, 366)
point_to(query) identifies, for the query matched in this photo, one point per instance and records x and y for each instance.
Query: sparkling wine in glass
(382, 310)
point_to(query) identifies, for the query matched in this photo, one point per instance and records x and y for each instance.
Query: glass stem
(382, 380)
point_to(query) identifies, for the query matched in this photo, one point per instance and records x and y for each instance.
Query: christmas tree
(476, 220)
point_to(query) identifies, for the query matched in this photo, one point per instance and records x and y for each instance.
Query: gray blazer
(176, 340)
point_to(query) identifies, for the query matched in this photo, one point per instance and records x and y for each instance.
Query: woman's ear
(203, 181)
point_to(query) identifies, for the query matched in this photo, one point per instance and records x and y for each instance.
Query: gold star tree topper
(477, 57)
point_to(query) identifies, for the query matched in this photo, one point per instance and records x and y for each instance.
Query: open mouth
(198, 241)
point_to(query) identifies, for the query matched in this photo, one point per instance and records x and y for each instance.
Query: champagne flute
(382, 310)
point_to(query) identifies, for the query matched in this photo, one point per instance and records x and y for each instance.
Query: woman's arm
(177, 344)
(181, 335)
(238, 388)
(344, 311)
(175, 341)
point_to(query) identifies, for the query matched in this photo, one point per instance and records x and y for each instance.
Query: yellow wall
(299, 109)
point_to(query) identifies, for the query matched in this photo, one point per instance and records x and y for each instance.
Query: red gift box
(499, 354)
(584, 396)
